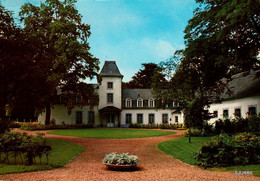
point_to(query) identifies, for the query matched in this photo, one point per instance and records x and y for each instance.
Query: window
(151, 118)
(225, 113)
(151, 102)
(128, 118)
(215, 114)
(176, 119)
(110, 85)
(252, 110)
(91, 117)
(128, 103)
(164, 118)
(140, 118)
(139, 102)
(109, 98)
(78, 117)
(237, 113)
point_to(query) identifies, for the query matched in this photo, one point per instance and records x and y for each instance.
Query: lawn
(113, 133)
(183, 150)
(62, 152)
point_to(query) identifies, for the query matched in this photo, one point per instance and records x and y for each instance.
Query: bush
(121, 159)
(238, 125)
(224, 150)
(254, 124)
(36, 126)
(18, 144)
(153, 126)
(194, 132)
(15, 124)
(207, 129)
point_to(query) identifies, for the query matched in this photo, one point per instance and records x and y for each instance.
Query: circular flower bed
(120, 161)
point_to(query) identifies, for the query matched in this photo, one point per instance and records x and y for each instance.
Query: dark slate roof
(137, 93)
(243, 86)
(110, 69)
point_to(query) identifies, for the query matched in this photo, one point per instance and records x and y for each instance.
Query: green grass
(108, 133)
(183, 150)
(62, 152)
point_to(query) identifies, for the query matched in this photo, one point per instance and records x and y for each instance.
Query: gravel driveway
(154, 164)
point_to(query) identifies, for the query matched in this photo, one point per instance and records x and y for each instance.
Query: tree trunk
(48, 115)
(189, 135)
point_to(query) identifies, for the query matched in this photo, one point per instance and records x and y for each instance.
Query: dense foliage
(120, 159)
(36, 126)
(156, 126)
(224, 150)
(221, 39)
(26, 147)
(228, 126)
(49, 51)
(144, 78)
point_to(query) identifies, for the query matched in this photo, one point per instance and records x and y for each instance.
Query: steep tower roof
(110, 69)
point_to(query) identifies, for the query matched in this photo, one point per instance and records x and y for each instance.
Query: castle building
(118, 107)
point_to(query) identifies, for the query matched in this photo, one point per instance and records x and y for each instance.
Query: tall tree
(19, 74)
(144, 77)
(61, 47)
(221, 39)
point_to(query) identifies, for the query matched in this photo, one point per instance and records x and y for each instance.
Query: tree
(144, 77)
(60, 49)
(221, 40)
(18, 71)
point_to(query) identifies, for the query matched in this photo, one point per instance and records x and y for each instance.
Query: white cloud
(159, 49)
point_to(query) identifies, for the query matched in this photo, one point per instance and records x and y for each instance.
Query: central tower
(110, 94)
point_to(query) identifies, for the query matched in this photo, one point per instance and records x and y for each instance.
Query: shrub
(15, 124)
(36, 126)
(224, 150)
(254, 124)
(121, 159)
(153, 126)
(194, 132)
(17, 144)
(207, 129)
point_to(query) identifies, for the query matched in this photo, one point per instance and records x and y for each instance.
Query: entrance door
(110, 120)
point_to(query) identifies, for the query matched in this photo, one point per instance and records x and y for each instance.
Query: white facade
(119, 107)
(59, 114)
(110, 112)
(232, 107)
(115, 91)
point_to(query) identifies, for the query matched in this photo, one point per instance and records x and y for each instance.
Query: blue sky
(131, 32)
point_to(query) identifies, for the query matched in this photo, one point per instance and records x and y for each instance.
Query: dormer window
(110, 85)
(140, 102)
(128, 102)
(151, 102)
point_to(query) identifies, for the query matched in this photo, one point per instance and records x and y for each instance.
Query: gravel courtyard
(154, 164)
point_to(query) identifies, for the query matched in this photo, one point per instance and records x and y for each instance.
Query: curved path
(154, 164)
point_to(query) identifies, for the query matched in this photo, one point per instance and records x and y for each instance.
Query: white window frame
(131, 120)
(249, 106)
(112, 98)
(153, 122)
(227, 117)
(111, 84)
(167, 120)
(140, 100)
(142, 118)
(130, 102)
(151, 100)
